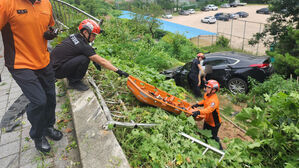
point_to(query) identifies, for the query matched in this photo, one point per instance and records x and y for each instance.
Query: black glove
(98, 66)
(50, 34)
(122, 73)
(195, 113)
(195, 105)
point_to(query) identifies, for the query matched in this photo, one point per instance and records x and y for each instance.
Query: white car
(209, 19)
(167, 16)
(191, 11)
(212, 7)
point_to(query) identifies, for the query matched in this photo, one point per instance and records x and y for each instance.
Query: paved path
(17, 149)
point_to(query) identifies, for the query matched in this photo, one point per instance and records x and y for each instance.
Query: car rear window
(231, 61)
(215, 61)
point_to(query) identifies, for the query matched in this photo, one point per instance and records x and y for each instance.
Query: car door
(181, 77)
(219, 66)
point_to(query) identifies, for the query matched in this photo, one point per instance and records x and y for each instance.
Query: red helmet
(90, 25)
(201, 55)
(213, 84)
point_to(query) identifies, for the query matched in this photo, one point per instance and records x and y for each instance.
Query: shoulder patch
(74, 39)
(212, 104)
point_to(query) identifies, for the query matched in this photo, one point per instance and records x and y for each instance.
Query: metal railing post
(217, 30)
(257, 50)
(205, 145)
(64, 14)
(244, 35)
(231, 32)
(63, 11)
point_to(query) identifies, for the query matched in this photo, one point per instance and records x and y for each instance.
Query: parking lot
(238, 30)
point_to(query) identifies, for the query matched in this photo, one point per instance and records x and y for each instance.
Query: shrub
(222, 41)
(179, 47)
(276, 83)
(285, 64)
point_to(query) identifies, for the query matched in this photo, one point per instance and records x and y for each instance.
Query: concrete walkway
(17, 149)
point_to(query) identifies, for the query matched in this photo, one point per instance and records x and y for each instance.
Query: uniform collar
(35, 1)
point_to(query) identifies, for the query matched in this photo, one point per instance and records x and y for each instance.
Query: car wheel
(237, 85)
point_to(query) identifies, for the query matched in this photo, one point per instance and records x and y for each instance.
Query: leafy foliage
(133, 49)
(93, 7)
(275, 129)
(282, 32)
(179, 47)
(285, 64)
(273, 85)
(222, 41)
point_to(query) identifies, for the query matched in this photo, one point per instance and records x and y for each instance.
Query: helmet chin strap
(208, 94)
(85, 37)
(89, 37)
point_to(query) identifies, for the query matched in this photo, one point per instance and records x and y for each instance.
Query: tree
(166, 4)
(284, 16)
(282, 34)
(147, 13)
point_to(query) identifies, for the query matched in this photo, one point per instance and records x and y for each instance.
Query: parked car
(242, 14)
(226, 5)
(224, 17)
(205, 8)
(184, 12)
(241, 4)
(191, 11)
(212, 7)
(218, 14)
(167, 16)
(230, 69)
(263, 11)
(233, 16)
(233, 4)
(209, 19)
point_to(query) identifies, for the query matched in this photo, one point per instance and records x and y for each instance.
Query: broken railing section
(111, 123)
(205, 145)
(64, 13)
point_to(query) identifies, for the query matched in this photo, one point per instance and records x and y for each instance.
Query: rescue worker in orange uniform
(211, 109)
(71, 57)
(26, 25)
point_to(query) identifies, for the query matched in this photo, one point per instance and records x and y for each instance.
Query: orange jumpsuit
(211, 109)
(25, 47)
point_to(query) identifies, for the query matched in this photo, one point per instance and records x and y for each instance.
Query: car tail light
(265, 65)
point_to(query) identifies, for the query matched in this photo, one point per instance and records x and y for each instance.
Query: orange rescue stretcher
(149, 94)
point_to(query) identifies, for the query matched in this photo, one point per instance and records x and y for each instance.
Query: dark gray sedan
(230, 69)
(242, 14)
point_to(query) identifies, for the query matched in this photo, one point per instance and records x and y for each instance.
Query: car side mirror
(208, 69)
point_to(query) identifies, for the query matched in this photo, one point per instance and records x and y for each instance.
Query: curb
(97, 147)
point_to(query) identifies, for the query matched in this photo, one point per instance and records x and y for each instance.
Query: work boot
(80, 86)
(42, 144)
(53, 133)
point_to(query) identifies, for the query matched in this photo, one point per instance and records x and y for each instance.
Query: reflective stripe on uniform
(23, 25)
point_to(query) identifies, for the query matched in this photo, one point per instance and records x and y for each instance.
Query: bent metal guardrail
(64, 13)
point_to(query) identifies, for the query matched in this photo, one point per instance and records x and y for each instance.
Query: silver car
(191, 11)
(209, 20)
(212, 7)
(167, 16)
